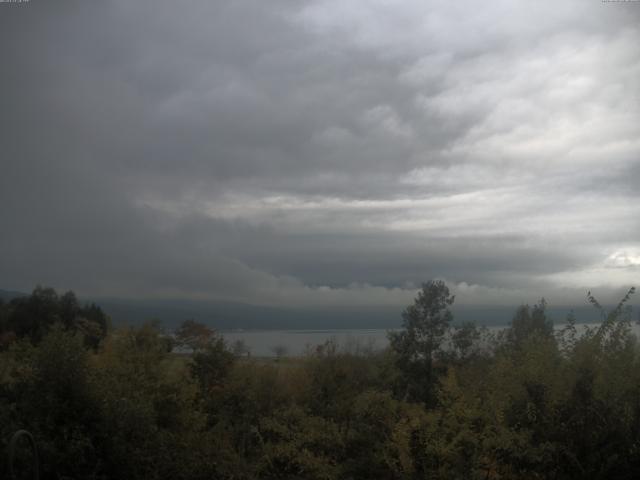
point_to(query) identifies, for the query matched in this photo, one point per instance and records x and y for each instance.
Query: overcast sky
(332, 152)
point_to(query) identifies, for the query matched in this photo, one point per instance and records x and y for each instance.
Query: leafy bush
(442, 402)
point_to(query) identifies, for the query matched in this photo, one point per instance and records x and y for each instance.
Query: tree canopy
(443, 401)
(425, 324)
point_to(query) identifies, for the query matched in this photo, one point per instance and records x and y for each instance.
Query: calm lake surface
(262, 343)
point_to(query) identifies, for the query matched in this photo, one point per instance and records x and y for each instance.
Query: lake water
(262, 343)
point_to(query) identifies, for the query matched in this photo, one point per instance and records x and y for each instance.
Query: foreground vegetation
(440, 402)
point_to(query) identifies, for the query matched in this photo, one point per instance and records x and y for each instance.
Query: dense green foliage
(441, 402)
(419, 343)
(32, 317)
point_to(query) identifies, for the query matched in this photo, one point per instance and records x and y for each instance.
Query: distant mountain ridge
(229, 315)
(7, 295)
(241, 316)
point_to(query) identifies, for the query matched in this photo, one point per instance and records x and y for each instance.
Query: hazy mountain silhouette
(233, 315)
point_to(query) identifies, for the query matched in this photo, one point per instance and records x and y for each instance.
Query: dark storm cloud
(319, 152)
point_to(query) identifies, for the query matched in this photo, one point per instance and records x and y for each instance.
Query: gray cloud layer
(325, 152)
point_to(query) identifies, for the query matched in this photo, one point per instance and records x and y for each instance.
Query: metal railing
(13, 445)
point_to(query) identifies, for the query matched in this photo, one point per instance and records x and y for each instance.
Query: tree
(34, 315)
(62, 411)
(194, 335)
(211, 358)
(279, 351)
(465, 340)
(93, 323)
(529, 321)
(240, 348)
(211, 364)
(425, 324)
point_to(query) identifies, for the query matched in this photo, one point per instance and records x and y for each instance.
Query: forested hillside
(441, 402)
